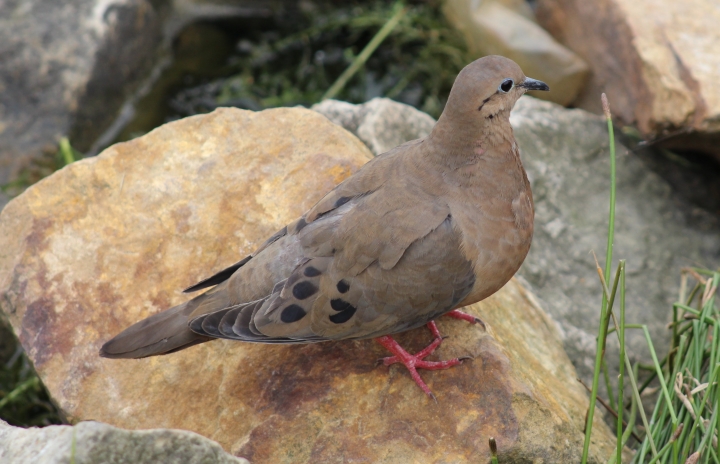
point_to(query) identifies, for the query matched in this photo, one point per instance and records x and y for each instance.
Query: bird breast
(496, 223)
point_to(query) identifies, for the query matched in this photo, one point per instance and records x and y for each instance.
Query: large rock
(565, 153)
(93, 443)
(110, 240)
(656, 60)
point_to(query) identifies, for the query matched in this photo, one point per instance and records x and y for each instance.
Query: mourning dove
(433, 225)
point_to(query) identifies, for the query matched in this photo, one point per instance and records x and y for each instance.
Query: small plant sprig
(493, 451)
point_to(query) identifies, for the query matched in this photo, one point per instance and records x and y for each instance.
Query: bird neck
(455, 144)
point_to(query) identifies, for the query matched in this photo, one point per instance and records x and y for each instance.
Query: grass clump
(685, 425)
(685, 420)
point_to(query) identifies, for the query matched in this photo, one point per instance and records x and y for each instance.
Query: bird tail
(161, 333)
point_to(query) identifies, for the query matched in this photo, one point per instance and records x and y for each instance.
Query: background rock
(565, 153)
(657, 61)
(381, 123)
(110, 240)
(508, 28)
(100, 443)
(74, 68)
(68, 66)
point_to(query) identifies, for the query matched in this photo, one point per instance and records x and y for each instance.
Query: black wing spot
(341, 201)
(340, 305)
(346, 311)
(304, 289)
(343, 286)
(301, 224)
(292, 313)
(311, 272)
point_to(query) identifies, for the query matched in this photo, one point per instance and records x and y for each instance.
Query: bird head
(486, 90)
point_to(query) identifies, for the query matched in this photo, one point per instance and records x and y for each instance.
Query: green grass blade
(621, 335)
(68, 154)
(604, 307)
(660, 375)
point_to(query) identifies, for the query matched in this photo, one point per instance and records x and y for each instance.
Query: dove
(418, 232)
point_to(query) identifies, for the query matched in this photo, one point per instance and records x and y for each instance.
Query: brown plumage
(428, 227)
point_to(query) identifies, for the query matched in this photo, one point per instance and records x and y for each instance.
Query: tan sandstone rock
(657, 61)
(110, 240)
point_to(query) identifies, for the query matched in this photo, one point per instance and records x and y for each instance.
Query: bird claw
(457, 314)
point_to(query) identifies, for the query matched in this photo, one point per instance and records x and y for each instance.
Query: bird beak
(534, 84)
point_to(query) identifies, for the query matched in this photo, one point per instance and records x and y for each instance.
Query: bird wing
(377, 255)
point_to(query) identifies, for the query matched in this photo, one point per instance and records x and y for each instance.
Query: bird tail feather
(162, 333)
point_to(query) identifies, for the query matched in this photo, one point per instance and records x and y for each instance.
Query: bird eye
(506, 86)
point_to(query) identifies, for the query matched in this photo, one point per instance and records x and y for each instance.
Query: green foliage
(23, 399)
(416, 63)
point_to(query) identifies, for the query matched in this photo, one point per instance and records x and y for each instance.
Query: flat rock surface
(110, 240)
(656, 60)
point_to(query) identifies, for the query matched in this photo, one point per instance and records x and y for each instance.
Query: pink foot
(414, 362)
